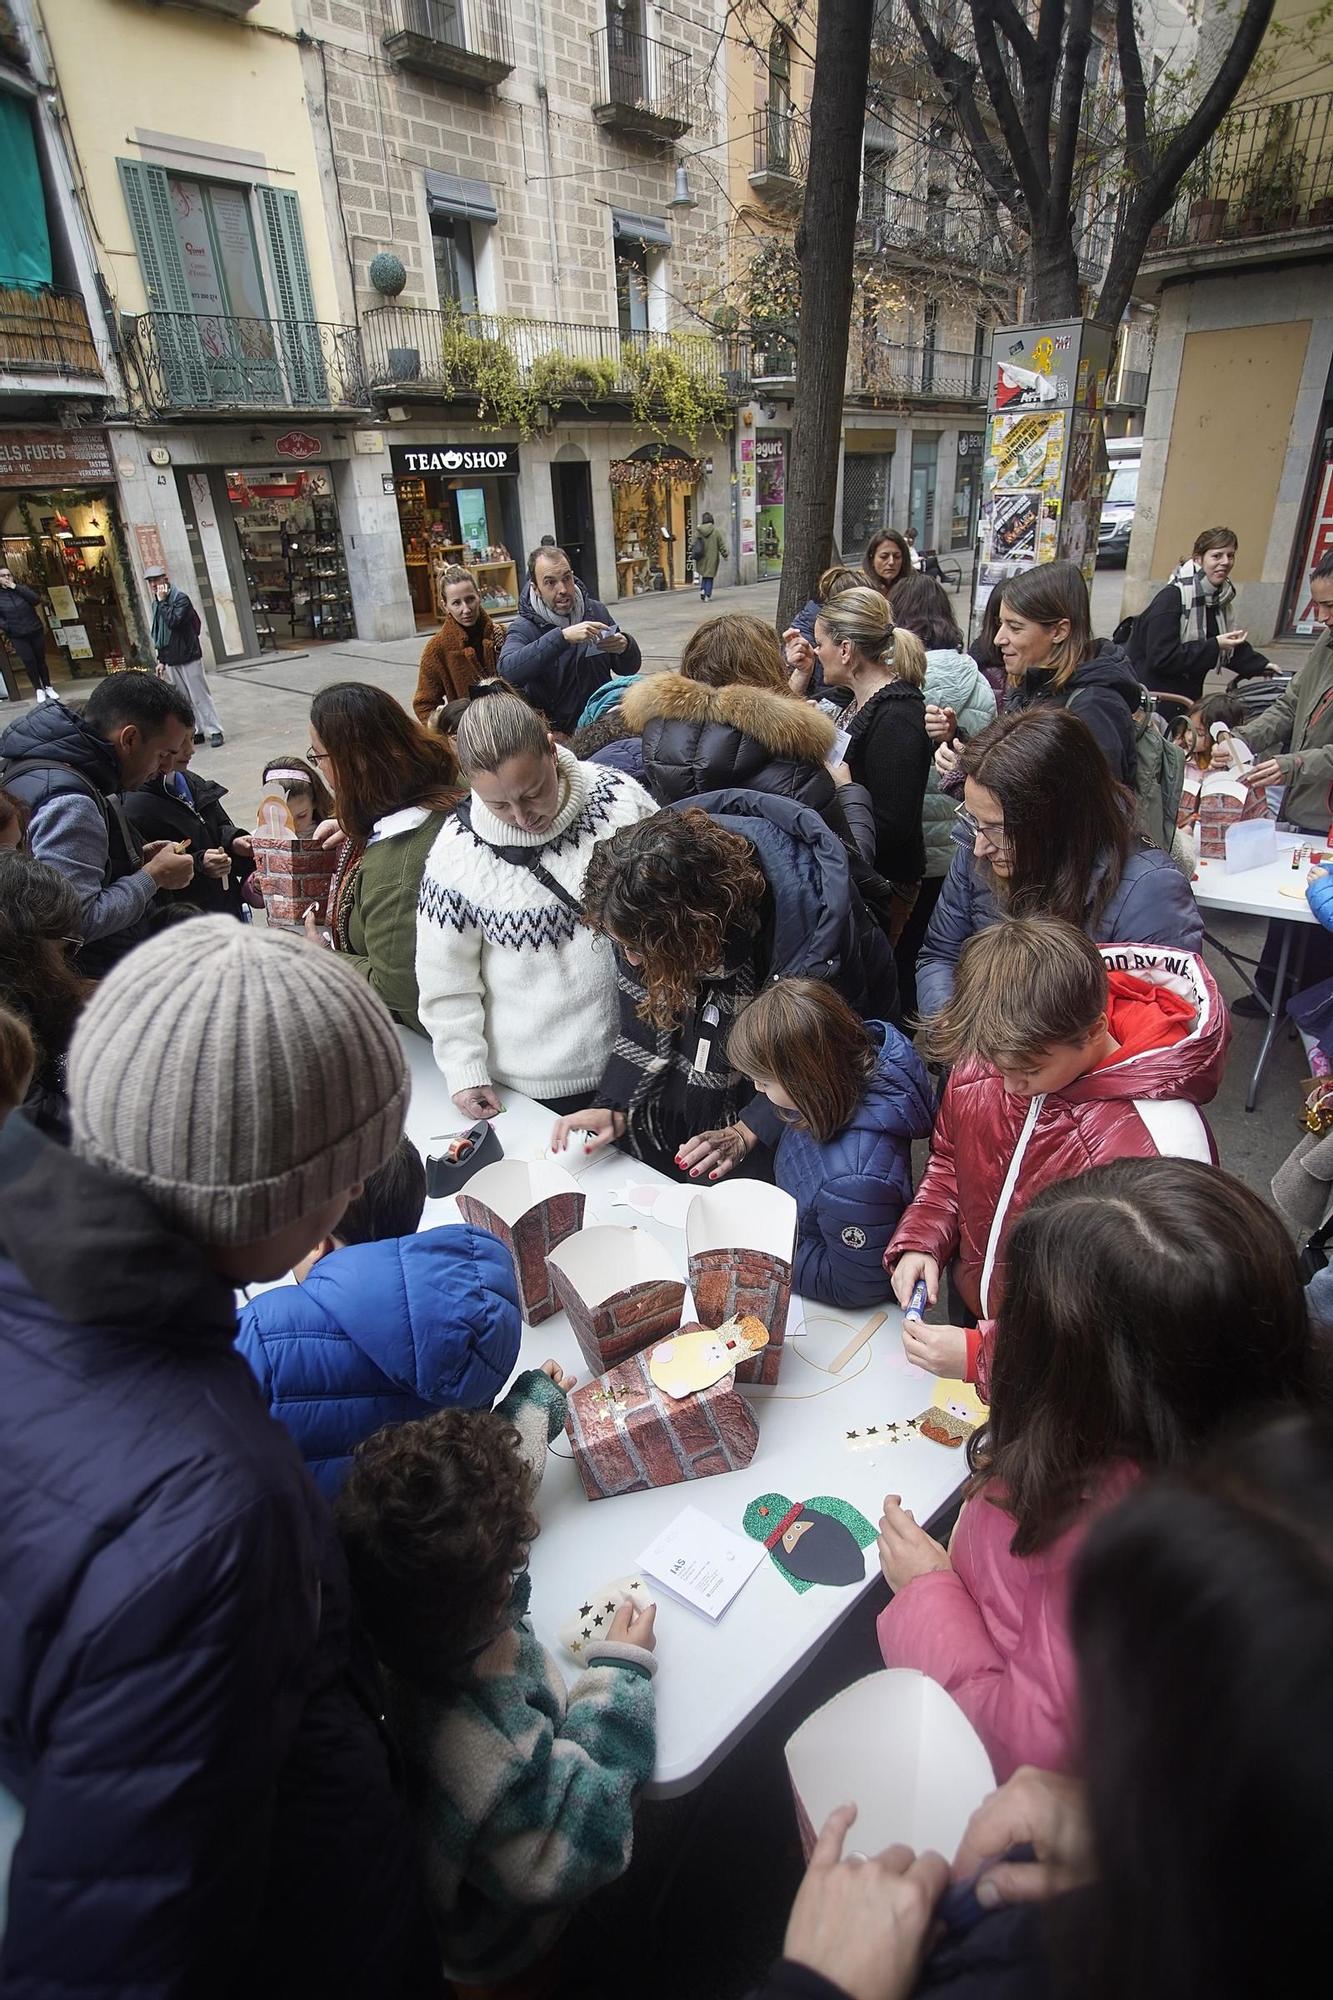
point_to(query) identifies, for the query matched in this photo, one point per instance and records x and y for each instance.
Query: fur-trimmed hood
(785, 726)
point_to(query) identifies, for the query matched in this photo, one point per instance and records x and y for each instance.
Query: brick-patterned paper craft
(293, 873)
(548, 1222)
(621, 1325)
(728, 1283)
(628, 1436)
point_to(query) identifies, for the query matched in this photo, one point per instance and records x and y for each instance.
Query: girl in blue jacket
(387, 1322)
(853, 1095)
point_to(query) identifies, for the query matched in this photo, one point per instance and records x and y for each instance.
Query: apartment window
(640, 244)
(980, 350)
(632, 288)
(779, 68)
(455, 261)
(937, 209)
(876, 167)
(216, 242)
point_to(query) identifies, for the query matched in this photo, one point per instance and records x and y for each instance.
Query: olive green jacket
(1298, 730)
(382, 919)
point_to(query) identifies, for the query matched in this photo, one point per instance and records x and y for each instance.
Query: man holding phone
(564, 644)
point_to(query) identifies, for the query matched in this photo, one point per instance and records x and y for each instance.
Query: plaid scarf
(1197, 598)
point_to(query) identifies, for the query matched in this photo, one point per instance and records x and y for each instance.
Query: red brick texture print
(293, 874)
(534, 1234)
(628, 1436)
(726, 1283)
(609, 1333)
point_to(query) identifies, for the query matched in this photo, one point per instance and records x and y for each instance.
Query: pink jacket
(994, 1632)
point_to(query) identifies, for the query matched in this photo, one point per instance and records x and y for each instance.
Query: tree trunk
(825, 245)
(1052, 291)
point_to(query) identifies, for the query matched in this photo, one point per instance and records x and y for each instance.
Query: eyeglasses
(318, 757)
(992, 831)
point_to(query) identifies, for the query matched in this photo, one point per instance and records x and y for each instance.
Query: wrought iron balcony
(780, 142)
(916, 373)
(643, 87)
(939, 227)
(46, 333)
(206, 362)
(456, 41)
(1266, 172)
(416, 350)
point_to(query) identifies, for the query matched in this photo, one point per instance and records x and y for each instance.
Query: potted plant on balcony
(668, 392)
(487, 366)
(1271, 201)
(555, 375)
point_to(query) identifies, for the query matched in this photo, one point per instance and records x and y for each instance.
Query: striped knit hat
(239, 1076)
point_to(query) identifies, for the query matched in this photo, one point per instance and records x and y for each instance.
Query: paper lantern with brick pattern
(741, 1240)
(629, 1436)
(531, 1207)
(621, 1289)
(294, 871)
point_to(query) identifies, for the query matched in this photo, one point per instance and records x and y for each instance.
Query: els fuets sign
(55, 458)
(450, 461)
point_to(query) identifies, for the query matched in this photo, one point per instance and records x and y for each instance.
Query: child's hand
(632, 1627)
(906, 1551)
(913, 1265)
(555, 1373)
(940, 1350)
(863, 1923)
(941, 723)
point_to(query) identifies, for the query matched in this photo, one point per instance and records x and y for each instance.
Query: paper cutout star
(576, 1648)
(610, 1606)
(587, 1632)
(598, 1620)
(585, 1611)
(850, 1436)
(873, 1431)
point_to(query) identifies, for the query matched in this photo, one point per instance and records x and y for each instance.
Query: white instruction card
(702, 1563)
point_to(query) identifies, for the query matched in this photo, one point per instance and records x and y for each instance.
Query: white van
(1125, 455)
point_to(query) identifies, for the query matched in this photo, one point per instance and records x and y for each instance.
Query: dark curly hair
(674, 891)
(39, 980)
(436, 1517)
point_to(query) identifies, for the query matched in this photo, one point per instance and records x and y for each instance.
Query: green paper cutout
(828, 1552)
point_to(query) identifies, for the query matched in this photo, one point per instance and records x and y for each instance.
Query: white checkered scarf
(1197, 598)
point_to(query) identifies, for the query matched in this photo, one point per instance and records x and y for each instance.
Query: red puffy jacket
(991, 1152)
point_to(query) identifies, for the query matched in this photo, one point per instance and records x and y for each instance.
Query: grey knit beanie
(240, 1076)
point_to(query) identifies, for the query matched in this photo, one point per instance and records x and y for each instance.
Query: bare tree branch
(1078, 46)
(1194, 135)
(1030, 169)
(1134, 92)
(957, 78)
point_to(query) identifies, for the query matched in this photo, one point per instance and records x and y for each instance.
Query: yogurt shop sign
(452, 461)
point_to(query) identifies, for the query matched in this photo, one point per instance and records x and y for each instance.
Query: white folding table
(1275, 891)
(714, 1680)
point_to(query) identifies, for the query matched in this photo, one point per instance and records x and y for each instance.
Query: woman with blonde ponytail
(889, 752)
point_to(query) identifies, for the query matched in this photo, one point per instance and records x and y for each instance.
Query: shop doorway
(292, 557)
(652, 508)
(571, 505)
(68, 546)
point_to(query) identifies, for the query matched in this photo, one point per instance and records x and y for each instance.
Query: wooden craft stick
(856, 1343)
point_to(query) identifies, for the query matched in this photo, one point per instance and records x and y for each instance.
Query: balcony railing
(418, 349)
(780, 149)
(643, 87)
(934, 227)
(46, 333)
(457, 41)
(893, 369)
(208, 362)
(1265, 172)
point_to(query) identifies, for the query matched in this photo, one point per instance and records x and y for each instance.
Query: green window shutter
(298, 332)
(179, 348)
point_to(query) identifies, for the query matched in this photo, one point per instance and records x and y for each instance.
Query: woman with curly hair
(394, 783)
(39, 979)
(704, 909)
(524, 1789)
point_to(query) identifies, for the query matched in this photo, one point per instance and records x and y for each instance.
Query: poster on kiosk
(1045, 465)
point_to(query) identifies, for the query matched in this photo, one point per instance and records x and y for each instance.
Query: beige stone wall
(553, 244)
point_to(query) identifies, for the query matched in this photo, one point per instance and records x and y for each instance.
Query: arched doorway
(652, 506)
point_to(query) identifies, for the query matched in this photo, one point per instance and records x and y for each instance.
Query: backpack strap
(520, 857)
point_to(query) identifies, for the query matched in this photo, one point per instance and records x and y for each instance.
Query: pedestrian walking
(21, 624)
(176, 629)
(709, 552)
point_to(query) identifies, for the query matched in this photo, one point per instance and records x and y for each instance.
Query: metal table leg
(1274, 1009)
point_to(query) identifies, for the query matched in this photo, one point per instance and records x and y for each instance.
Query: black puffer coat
(158, 813)
(1104, 692)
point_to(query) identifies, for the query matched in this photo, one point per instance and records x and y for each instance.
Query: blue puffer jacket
(850, 1190)
(380, 1333)
(1154, 904)
(207, 1804)
(1319, 895)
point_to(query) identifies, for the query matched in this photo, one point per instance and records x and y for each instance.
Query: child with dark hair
(1064, 1054)
(309, 800)
(1151, 1306)
(852, 1095)
(18, 1061)
(386, 1322)
(524, 1788)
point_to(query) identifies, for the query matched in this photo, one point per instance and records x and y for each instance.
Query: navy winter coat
(1154, 904)
(558, 677)
(381, 1333)
(1103, 693)
(851, 1190)
(1003, 1955)
(206, 1799)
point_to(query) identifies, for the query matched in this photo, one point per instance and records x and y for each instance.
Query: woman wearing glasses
(1044, 830)
(394, 785)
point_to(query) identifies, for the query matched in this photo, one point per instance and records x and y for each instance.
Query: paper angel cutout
(695, 1360)
(955, 1412)
(812, 1541)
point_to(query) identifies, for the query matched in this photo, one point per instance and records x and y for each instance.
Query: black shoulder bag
(521, 857)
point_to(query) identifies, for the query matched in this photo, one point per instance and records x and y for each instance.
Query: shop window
(472, 522)
(865, 498)
(967, 489)
(292, 553)
(455, 261)
(69, 547)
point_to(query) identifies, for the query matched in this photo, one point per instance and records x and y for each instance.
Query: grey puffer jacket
(953, 680)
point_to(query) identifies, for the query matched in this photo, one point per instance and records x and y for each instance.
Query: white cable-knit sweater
(513, 988)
